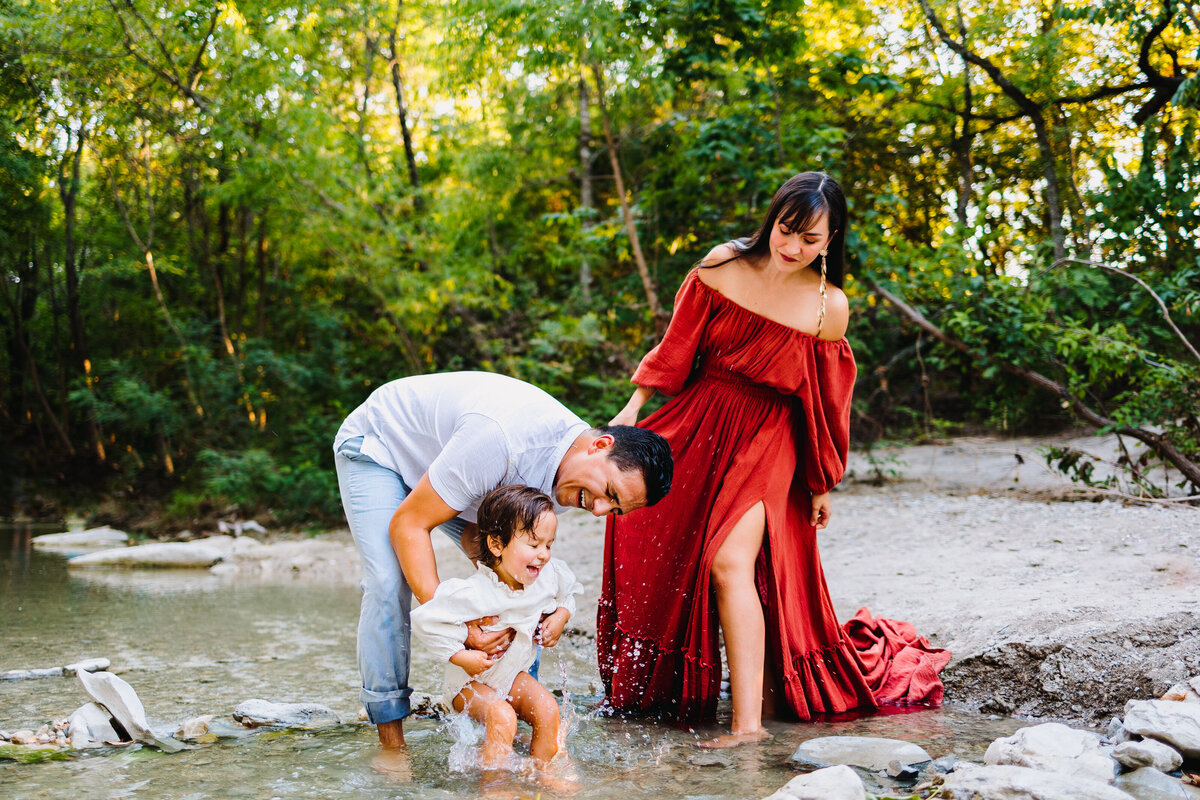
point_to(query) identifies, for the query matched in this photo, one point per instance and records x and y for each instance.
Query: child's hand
(473, 662)
(551, 628)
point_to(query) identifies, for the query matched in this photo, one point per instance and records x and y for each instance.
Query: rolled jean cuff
(386, 706)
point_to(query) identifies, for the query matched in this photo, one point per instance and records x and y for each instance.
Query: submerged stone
(867, 752)
(262, 713)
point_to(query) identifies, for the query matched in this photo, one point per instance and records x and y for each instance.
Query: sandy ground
(1052, 608)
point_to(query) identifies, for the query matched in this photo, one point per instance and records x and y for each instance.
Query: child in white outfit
(517, 581)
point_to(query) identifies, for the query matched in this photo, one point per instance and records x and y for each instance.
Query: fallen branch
(1156, 442)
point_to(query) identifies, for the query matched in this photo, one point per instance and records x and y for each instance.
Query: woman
(761, 375)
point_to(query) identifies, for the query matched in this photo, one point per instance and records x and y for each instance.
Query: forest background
(225, 223)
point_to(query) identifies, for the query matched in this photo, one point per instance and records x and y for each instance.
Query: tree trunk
(660, 318)
(586, 199)
(414, 178)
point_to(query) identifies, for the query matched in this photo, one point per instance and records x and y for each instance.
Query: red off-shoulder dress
(760, 412)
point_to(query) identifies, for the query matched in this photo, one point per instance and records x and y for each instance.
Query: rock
(902, 773)
(74, 540)
(427, 706)
(1150, 784)
(259, 713)
(857, 751)
(87, 665)
(1148, 753)
(1186, 691)
(830, 783)
(1006, 782)
(1055, 748)
(1177, 724)
(26, 674)
(24, 737)
(159, 554)
(1116, 731)
(122, 702)
(91, 726)
(194, 728)
(946, 764)
(708, 760)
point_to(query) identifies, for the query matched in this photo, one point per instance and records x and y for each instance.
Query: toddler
(517, 581)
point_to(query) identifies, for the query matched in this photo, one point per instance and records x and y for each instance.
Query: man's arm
(410, 531)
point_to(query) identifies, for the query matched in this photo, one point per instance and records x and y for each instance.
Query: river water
(192, 643)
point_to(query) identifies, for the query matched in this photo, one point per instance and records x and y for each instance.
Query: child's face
(522, 559)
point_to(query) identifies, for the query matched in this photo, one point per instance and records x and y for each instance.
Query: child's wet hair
(505, 512)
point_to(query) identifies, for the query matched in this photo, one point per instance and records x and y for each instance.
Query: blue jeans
(370, 496)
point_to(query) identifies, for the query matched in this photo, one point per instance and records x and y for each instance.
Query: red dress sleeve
(824, 428)
(667, 367)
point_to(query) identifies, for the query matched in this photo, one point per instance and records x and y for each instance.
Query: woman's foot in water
(734, 739)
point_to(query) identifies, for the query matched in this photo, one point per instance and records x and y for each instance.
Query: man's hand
(551, 628)
(494, 643)
(472, 661)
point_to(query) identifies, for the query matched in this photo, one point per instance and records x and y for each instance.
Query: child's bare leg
(534, 704)
(485, 705)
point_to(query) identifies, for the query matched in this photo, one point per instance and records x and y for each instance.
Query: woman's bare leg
(743, 625)
(485, 705)
(534, 704)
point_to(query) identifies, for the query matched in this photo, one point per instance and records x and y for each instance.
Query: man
(420, 454)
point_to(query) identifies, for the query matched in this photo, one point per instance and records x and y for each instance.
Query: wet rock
(75, 540)
(27, 674)
(159, 554)
(5, 736)
(830, 783)
(87, 665)
(708, 760)
(1177, 724)
(426, 706)
(1006, 782)
(946, 764)
(902, 773)
(122, 702)
(91, 726)
(262, 713)
(857, 751)
(1056, 748)
(195, 728)
(24, 737)
(1150, 784)
(1148, 753)
(1186, 691)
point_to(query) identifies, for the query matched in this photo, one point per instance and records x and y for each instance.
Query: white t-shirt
(471, 431)
(441, 624)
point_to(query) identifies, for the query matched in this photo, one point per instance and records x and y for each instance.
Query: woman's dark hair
(506, 511)
(798, 204)
(645, 451)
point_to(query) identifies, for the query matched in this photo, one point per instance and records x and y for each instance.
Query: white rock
(87, 665)
(91, 726)
(1177, 724)
(1055, 748)
(1023, 783)
(158, 554)
(258, 713)
(26, 674)
(830, 783)
(24, 737)
(1185, 691)
(120, 700)
(1150, 784)
(194, 727)
(867, 752)
(1148, 753)
(96, 537)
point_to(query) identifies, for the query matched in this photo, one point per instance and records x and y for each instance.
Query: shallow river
(191, 643)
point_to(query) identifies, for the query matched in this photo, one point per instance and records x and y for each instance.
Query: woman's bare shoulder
(837, 314)
(719, 277)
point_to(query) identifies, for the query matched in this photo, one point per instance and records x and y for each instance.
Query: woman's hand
(473, 662)
(494, 643)
(551, 628)
(628, 416)
(822, 509)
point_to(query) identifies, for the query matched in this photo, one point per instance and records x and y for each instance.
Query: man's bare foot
(734, 739)
(394, 763)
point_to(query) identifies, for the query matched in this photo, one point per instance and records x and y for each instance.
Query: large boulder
(1148, 753)
(867, 752)
(1024, 783)
(262, 713)
(81, 540)
(830, 783)
(1056, 748)
(159, 554)
(1177, 724)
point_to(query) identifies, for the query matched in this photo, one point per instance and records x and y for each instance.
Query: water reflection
(192, 643)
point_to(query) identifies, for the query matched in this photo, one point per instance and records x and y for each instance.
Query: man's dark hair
(645, 451)
(506, 511)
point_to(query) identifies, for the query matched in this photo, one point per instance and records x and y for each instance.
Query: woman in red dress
(761, 376)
